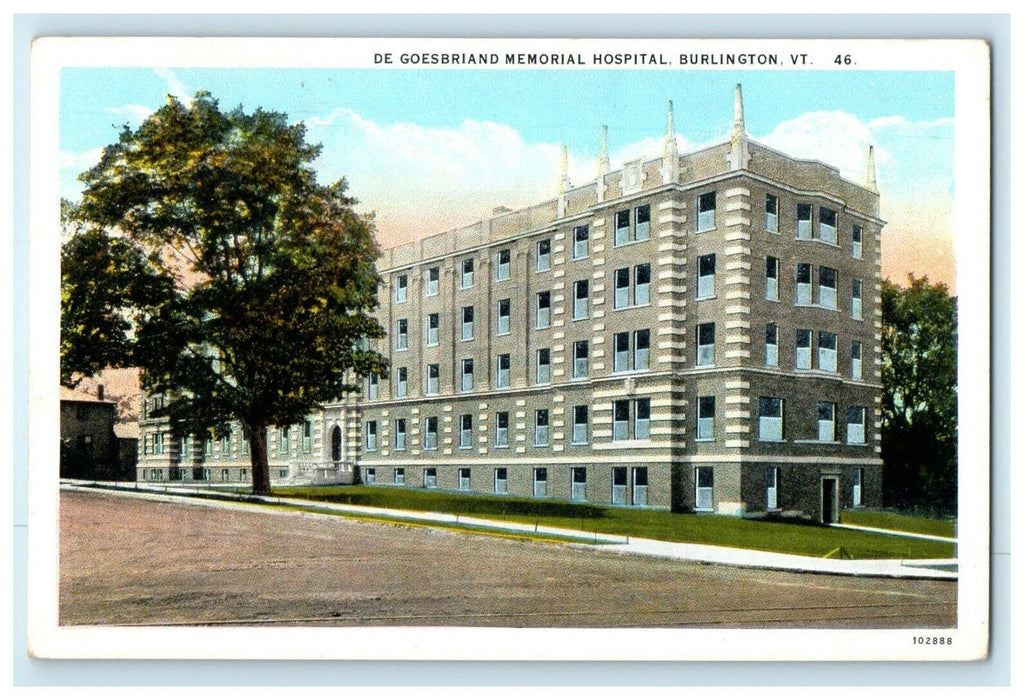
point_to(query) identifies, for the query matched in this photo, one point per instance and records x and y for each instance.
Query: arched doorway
(336, 444)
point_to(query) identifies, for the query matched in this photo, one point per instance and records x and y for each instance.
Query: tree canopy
(919, 406)
(205, 251)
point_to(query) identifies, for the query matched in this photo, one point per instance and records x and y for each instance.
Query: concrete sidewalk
(727, 556)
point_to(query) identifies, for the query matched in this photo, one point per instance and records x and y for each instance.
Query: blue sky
(432, 149)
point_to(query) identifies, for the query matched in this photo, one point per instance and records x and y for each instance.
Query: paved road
(130, 561)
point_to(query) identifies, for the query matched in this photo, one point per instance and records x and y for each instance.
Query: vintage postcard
(509, 349)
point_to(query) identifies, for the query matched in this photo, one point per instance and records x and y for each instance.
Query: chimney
(100, 392)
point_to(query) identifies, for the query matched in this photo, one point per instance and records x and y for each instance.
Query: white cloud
(78, 162)
(174, 86)
(836, 138)
(131, 113)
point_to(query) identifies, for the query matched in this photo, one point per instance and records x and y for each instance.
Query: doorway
(829, 500)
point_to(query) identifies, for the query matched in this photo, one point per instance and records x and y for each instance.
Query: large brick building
(697, 331)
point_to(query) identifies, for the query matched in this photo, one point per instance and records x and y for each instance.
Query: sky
(431, 150)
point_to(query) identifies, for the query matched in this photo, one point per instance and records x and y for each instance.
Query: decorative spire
(739, 112)
(670, 157)
(871, 170)
(603, 153)
(738, 158)
(563, 170)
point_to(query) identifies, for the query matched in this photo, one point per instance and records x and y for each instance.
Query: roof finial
(871, 170)
(563, 169)
(603, 153)
(739, 111)
(738, 158)
(670, 157)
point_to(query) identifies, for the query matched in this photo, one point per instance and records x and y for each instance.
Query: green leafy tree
(207, 254)
(919, 407)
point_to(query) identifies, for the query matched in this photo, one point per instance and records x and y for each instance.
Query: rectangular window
(501, 429)
(540, 482)
(401, 290)
(400, 434)
(642, 284)
(828, 287)
(621, 352)
(706, 212)
(578, 483)
(399, 476)
(622, 227)
(370, 475)
(642, 222)
(370, 436)
(642, 409)
(467, 374)
(804, 284)
(467, 273)
(540, 432)
(402, 334)
(803, 349)
(433, 329)
(772, 353)
(580, 299)
(504, 371)
(504, 316)
(284, 440)
(464, 477)
(580, 349)
(429, 478)
(706, 426)
(704, 480)
(402, 383)
(579, 425)
(543, 366)
(771, 419)
(857, 359)
(465, 430)
(432, 380)
(543, 255)
(305, 438)
(772, 279)
(855, 421)
(501, 480)
(621, 278)
(642, 349)
(828, 226)
(209, 447)
(504, 265)
(580, 237)
(373, 387)
(543, 309)
(706, 276)
(805, 221)
(857, 241)
(705, 344)
(828, 352)
(620, 420)
(432, 281)
(825, 421)
(468, 322)
(429, 438)
(772, 214)
(857, 300)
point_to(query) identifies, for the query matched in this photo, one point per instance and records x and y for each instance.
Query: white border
(969, 60)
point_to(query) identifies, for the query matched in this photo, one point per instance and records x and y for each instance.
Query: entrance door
(829, 509)
(772, 484)
(578, 486)
(619, 486)
(540, 482)
(640, 477)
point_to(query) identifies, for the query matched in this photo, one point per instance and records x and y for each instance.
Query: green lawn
(793, 538)
(897, 521)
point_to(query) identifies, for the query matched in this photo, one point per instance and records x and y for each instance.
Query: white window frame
(580, 247)
(432, 281)
(705, 284)
(468, 323)
(432, 382)
(541, 427)
(402, 334)
(621, 293)
(504, 374)
(642, 289)
(581, 304)
(543, 316)
(373, 392)
(504, 271)
(827, 351)
(621, 358)
(642, 350)
(468, 276)
(581, 364)
(705, 219)
(501, 431)
(621, 234)
(431, 433)
(504, 319)
(705, 425)
(773, 224)
(857, 241)
(828, 296)
(772, 357)
(855, 433)
(642, 222)
(401, 386)
(432, 330)
(543, 366)
(771, 425)
(401, 289)
(857, 299)
(400, 435)
(543, 259)
(465, 434)
(804, 290)
(804, 227)
(370, 435)
(828, 232)
(772, 283)
(803, 360)
(579, 435)
(857, 359)
(705, 354)
(467, 377)
(825, 427)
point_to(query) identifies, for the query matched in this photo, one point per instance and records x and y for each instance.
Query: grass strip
(900, 522)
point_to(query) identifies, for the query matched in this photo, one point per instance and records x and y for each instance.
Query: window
(504, 316)
(857, 359)
(465, 430)
(373, 387)
(642, 349)
(631, 419)
(543, 366)
(706, 276)
(772, 214)
(305, 438)
(828, 226)
(543, 255)
(504, 370)
(578, 483)
(622, 288)
(706, 212)
(467, 374)
(467, 274)
(621, 352)
(432, 380)
(399, 476)
(622, 227)
(772, 354)
(464, 477)
(159, 443)
(706, 427)
(805, 221)
(429, 478)
(432, 281)
(540, 482)
(803, 349)
(828, 352)
(857, 300)
(828, 287)
(433, 330)
(642, 284)
(580, 359)
(429, 437)
(284, 440)
(580, 236)
(540, 432)
(772, 279)
(400, 433)
(642, 222)
(704, 480)
(771, 419)
(402, 383)
(504, 265)
(857, 241)
(543, 309)
(579, 425)
(223, 443)
(401, 290)
(209, 447)
(402, 334)
(855, 425)
(370, 436)
(501, 429)
(501, 480)
(705, 343)
(825, 421)
(804, 284)
(370, 475)
(580, 300)
(468, 322)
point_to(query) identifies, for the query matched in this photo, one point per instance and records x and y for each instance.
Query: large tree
(919, 407)
(209, 255)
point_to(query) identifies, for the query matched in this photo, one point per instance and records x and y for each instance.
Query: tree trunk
(257, 436)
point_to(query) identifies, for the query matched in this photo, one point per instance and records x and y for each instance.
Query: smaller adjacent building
(90, 448)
